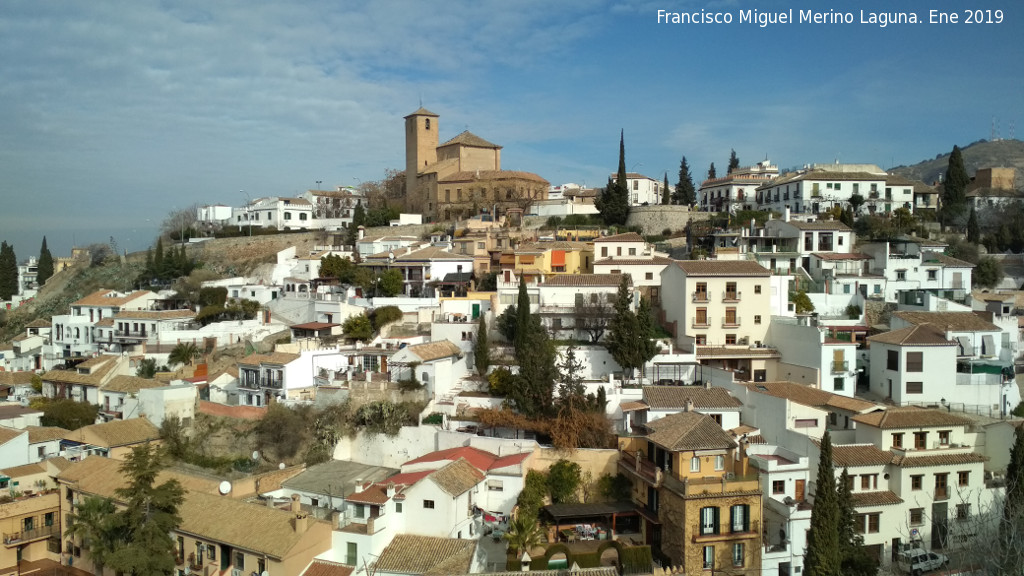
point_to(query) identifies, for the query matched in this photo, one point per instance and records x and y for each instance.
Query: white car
(917, 561)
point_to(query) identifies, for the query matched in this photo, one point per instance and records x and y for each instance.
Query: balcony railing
(645, 469)
(272, 383)
(15, 538)
(131, 334)
(731, 296)
(700, 297)
(698, 323)
(730, 322)
(724, 530)
(840, 367)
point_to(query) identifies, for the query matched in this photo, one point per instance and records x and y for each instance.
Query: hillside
(981, 154)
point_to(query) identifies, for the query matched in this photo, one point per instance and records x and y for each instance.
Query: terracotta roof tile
(467, 138)
(129, 384)
(689, 431)
(814, 397)
(38, 434)
(115, 433)
(155, 314)
(281, 358)
(103, 298)
(662, 397)
(880, 498)
(947, 261)
(909, 461)
(481, 459)
(436, 350)
(408, 554)
(15, 378)
(920, 335)
(722, 268)
(625, 237)
(844, 456)
(458, 477)
(835, 256)
(325, 568)
(584, 280)
(955, 321)
(492, 175)
(910, 417)
(8, 434)
(825, 225)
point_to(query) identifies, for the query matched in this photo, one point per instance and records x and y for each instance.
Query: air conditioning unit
(730, 476)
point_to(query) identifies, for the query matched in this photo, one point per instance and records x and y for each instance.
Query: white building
(736, 190)
(809, 356)
(822, 187)
(274, 212)
(72, 334)
(643, 190)
(629, 254)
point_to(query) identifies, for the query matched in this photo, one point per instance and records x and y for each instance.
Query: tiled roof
(834, 256)
(880, 498)
(922, 242)
(947, 261)
(844, 456)
(8, 434)
(421, 111)
(129, 384)
(656, 260)
(430, 253)
(375, 494)
(954, 321)
(689, 431)
(73, 377)
(491, 175)
(95, 361)
(824, 225)
(15, 378)
(467, 138)
(38, 434)
(661, 397)
(584, 280)
(908, 461)
(325, 568)
(108, 321)
(481, 459)
(625, 237)
(808, 396)
(538, 247)
(909, 417)
(458, 477)
(24, 470)
(240, 524)
(102, 477)
(115, 433)
(722, 268)
(155, 314)
(99, 298)
(436, 350)
(919, 335)
(281, 358)
(408, 554)
(632, 406)
(39, 323)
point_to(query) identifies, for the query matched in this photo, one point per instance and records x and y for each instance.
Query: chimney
(785, 215)
(270, 502)
(707, 384)
(296, 504)
(301, 522)
(359, 485)
(689, 405)
(391, 490)
(362, 232)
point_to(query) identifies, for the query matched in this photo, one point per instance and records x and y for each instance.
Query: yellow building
(463, 176)
(30, 522)
(702, 498)
(542, 260)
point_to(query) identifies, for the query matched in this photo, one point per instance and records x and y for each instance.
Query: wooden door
(800, 490)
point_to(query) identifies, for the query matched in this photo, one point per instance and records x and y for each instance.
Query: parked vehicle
(917, 561)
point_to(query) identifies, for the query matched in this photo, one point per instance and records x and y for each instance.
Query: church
(462, 177)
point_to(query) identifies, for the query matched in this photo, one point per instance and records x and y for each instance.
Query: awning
(988, 345)
(558, 257)
(966, 349)
(526, 259)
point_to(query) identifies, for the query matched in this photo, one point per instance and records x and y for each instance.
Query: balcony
(713, 533)
(131, 334)
(17, 538)
(728, 322)
(941, 493)
(641, 468)
(727, 483)
(731, 296)
(701, 323)
(873, 194)
(277, 383)
(700, 297)
(838, 367)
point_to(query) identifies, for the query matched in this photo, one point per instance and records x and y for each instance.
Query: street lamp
(318, 182)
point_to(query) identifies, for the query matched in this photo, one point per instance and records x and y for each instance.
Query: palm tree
(523, 534)
(91, 526)
(183, 353)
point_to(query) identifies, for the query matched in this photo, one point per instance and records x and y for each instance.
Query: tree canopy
(954, 190)
(8, 272)
(45, 264)
(734, 162)
(613, 202)
(824, 556)
(684, 194)
(532, 391)
(630, 333)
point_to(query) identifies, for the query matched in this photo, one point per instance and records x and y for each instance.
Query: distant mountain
(980, 154)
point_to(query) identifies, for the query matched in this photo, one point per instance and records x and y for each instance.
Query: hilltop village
(471, 370)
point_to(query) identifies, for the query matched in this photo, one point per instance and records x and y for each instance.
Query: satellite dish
(255, 454)
(280, 466)
(225, 487)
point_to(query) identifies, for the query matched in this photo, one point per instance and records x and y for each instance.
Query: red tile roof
(480, 459)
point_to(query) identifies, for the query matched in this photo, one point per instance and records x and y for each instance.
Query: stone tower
(420, 147)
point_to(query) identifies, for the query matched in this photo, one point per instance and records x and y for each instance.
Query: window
(709, 520)
(719, 462)
(757, 319)
(604, 251)
(868, 481)
(632, 251)
(737, 555)
(739, 518)
(701, 293)
(702, 317)
(901, 274)
(867, 523)
(963, 478)
(287, 215)
(351, 554)
(920, 440)
(694, 464)
(933, 275)
(806, 423)
(944, 437)
(838, 384)
(211, 552)
(915, 361)
(873, 521)
(897, 440)
(649, 276)
(730, 291)
(892, 360)
(963, 512)
(709, 558)
(730, 316)
(757, 289)
(700, 339)
(239, 560)
(916, 481)
(915, 387)
(360, 511)
(730, 339)
(778, 486)
(398, 507)
(428, 504)
(916, 516)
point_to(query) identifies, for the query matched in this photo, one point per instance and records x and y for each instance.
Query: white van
(917, 561)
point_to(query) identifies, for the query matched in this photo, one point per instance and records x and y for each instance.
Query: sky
(114, 114)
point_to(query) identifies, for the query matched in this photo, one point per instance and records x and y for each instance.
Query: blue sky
(113, 114)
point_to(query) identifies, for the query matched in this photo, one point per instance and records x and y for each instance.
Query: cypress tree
(158, 259)
(734, 162)
(481, 348)
(45, 265)
(613, 202)
(711, 172)
(823, 552)
(629, 333)
(621, 179)
(954, 189)
(973, 229)
(8, 272)
(684, 193)
(533, 392)
(1011, 525)
(666, 196)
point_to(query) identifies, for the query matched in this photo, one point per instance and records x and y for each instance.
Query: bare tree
(593, 315)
